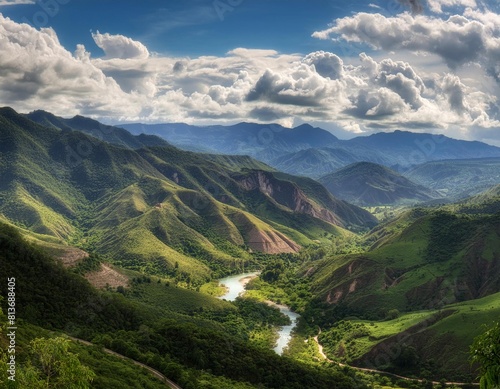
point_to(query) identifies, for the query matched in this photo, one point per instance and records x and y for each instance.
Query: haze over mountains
(435, 165)
(312, 151)
(157, 206)
(152, 209)
(369, 184)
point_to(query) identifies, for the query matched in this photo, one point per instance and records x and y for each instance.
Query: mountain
(403, 149)
(243, 138)
(183, 334)
(158, 208)
(314, 162)
(312, 151)
(487, 202)
(110, 134)
(369, 184)
(429, 276)
(458, 178)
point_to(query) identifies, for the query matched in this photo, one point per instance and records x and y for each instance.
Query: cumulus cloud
(128, 84)
(119, 46)
(326, 64)
(301, 87)
(35, 70)
(437, 6)
(458, 40)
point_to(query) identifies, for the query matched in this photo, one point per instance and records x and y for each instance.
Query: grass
(454, 332)
(166, 296)
(213, 288)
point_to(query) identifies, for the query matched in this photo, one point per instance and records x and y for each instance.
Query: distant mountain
(243, 138)
(314, 162)
(369, 184)
(406, 148)
(158, 208)
(458, 178)
(312, 151)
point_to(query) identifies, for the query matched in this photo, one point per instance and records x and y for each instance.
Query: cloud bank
(367, 93)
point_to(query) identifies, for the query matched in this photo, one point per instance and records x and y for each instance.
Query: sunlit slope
(420, 261)
(158, 208)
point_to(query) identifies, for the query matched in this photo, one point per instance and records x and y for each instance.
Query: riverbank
(235, 286)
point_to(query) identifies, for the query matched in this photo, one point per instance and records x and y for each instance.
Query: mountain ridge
(156, 206)
(284, 148)
(370, 184)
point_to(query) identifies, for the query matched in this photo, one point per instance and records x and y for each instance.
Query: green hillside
(414, 265)
(369, 184)
(156, 209)
(429, 279)
(428, 344)
(188, 340)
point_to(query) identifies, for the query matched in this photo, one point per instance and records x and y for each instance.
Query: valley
(139, 247)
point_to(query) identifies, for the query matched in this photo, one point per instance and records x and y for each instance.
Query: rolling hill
(457, 178)
(439, 271)
(369, 184)
(157, 209)
(181, 333)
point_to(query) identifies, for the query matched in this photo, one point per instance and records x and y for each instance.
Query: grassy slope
(446, 340)
(154, 323)
(424, 259)
(70, 186)
(415, 264)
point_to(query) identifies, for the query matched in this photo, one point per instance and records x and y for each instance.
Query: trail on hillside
(155, 372)
(322, 353)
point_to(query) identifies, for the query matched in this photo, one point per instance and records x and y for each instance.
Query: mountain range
(155, 206)
(121, 208)
(314, 152)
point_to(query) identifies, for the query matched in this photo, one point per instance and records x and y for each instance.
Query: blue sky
(193, 27)
(351, 67)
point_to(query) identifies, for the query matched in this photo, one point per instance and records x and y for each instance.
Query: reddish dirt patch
(106, 276)
(271, 242)
(71, 256)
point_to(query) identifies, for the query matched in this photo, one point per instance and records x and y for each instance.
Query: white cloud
(36, 71)
(458, 40)
(128, 84)
(119, 46)
(15, 2)
(437, 6)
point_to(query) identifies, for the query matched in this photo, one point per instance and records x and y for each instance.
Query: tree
(53, 366)
(486, 352)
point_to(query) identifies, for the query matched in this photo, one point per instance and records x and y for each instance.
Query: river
(236, 286)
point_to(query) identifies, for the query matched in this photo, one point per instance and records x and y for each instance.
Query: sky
(418, 65)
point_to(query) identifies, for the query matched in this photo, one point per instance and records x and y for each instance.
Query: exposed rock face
(287, 194)
(270, 242)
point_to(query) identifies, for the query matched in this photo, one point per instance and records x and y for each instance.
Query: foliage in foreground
(486, 351)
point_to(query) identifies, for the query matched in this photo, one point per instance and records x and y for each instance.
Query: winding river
(236, 286)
